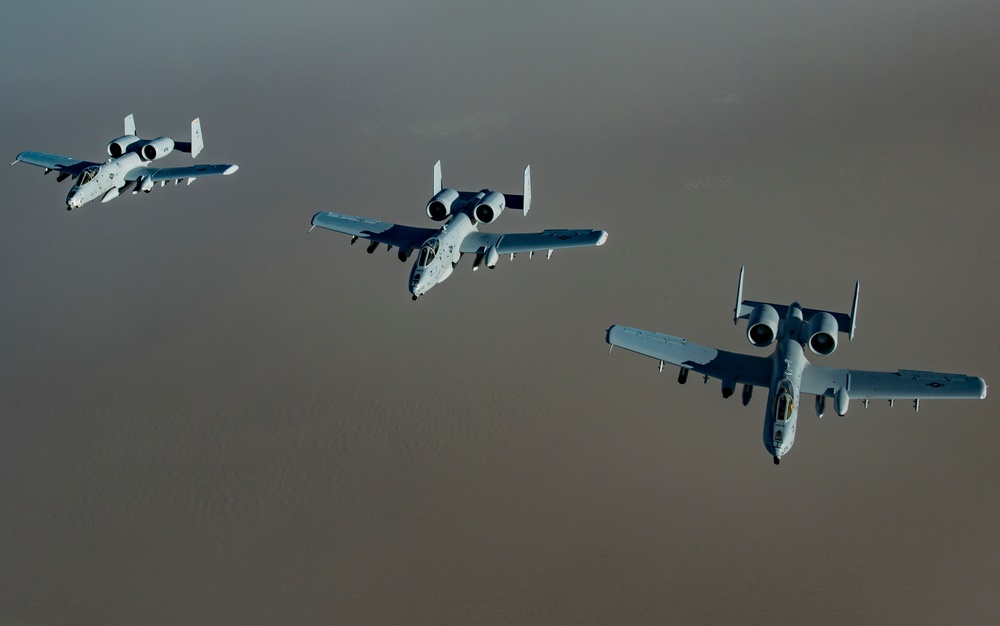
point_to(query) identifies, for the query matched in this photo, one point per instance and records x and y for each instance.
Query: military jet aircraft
(462, 212)
(130, 166)
(787, 373)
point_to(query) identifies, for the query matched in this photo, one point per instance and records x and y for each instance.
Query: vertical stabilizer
(437, 177)
(129, 124)
(527, 190)
(854, 310)
(738, 309)
(197, 142)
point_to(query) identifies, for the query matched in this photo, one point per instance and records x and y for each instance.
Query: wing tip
(611, 329)
(231, 169)
(602, 237)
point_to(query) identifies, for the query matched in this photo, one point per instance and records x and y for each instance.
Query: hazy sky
(211, 417)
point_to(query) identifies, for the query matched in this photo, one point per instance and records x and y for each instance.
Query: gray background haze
(209, 417)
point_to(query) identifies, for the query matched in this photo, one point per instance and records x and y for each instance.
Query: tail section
(854, 310)
(513, 201)
(521, 202)
(844, 323)
(129, 125)
(527, 190)
(197, 143)
(738, 309)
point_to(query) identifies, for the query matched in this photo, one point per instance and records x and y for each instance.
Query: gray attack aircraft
(787, 373)
(129, 168)
(462, 212)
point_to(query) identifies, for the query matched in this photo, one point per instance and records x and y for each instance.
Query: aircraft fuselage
(439, 254)
(100, 179)
(788, 361)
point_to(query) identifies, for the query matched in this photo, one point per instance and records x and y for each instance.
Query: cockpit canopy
(428, 252)
(87, 175)
(784, 405)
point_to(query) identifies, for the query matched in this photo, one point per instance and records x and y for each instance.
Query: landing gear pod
(728, 387)
(841, 402)
(492, 257)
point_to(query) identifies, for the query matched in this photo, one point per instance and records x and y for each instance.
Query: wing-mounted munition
(129, 167)
(461, 214)
(787, 373)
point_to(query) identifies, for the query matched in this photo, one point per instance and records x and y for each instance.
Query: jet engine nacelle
(762, 325)
(822, 334)
(439, 207)
(120, 146)
(157, 148)
(490, 207)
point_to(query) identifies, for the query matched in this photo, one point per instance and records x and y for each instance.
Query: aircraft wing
(900, 385)
(166, 174)
(729, 366)
(69, 165)
(532, 242)
(403, 237)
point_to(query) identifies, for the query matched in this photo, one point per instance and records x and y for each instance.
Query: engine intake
(762, 325)
(440, 206)
(157, 148)
(120, 146)
(822, 334)
(490, 207)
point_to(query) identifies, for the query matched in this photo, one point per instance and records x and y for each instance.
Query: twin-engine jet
(462, 212)
(787, 373)
(129, 168)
